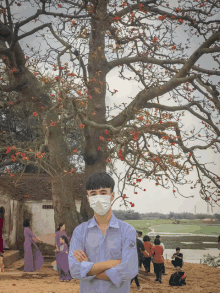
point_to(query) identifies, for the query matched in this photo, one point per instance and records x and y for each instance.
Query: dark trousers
(136, 281)
(177, 264)
(163, 271)
(146, 264)
(158, 269)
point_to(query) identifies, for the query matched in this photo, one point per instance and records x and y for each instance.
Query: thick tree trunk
(96, 146)
(62, 185)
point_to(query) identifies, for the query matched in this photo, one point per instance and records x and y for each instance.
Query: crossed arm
(99, 268)
(175, 255)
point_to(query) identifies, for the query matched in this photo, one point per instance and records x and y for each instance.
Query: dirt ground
(199, 278)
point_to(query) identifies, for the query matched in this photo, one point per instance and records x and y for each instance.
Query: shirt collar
(113, 222)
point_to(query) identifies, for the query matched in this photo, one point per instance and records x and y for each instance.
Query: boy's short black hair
(100, 180)
(177, 248)
(158, 236)
(26, 223)
(157, 241)
(146, 238)
(140, 233)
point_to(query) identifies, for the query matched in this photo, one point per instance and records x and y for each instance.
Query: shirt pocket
(116, 249)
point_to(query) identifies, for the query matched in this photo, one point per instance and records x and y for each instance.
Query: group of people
(33, 259)
(147, 253)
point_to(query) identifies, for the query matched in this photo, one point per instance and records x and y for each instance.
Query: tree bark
(96, 145)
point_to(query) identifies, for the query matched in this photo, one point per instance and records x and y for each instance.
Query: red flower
(106, 132)
(13, 70)
(124, 196)
(155, 39)
(160, 122)
(42, 107)
(13, 158)
(82, 125)
(35, 114)
(108, 160)
(10, 103)
(190, 154)
(59, 5)
(62, 68)
(13, 147)
(75, 151)
(71, 74)
(174, 47)
(144, 189)
(52, 123)
(98, 148)
(138, 180)
(56, 77)
(8, 150)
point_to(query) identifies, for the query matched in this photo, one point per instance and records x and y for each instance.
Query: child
(178, 262)
(158, 260)
(62, 260)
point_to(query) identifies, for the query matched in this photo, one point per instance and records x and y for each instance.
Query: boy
(139, 236)
(178, 262)
(103, 251)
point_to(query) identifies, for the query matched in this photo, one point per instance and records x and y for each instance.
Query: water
(191, 255)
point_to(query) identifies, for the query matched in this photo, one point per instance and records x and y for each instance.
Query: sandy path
(200, 278)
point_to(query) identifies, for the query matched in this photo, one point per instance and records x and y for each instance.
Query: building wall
(43, 219)
(12, 209)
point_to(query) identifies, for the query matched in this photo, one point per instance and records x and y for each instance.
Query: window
(47, 207)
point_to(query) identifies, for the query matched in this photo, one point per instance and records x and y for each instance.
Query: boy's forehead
(101, 188)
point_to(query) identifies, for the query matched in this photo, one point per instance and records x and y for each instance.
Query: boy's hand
(80, 255)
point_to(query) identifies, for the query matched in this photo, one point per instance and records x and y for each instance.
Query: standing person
(140, 235)
(2, 214)
(63, 265)
(178, 262)
(60, 232)
(140, 250)
(161, 244)
(103, 251)
(158, 260)
(33, 259)
(148, 247)
(219, 242)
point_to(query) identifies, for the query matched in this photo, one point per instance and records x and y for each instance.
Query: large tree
(82, 42)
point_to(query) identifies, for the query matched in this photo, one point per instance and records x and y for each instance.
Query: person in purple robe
(33, 259)
(62, 260)
(60, 232)
(2, 214)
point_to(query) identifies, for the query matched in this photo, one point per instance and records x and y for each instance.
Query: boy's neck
(103, 220)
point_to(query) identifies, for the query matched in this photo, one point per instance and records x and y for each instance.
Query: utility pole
(195, 209)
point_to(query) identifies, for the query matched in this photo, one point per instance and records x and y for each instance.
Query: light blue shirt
(119, 242)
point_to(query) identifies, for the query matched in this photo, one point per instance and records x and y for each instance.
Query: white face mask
(100, 203)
